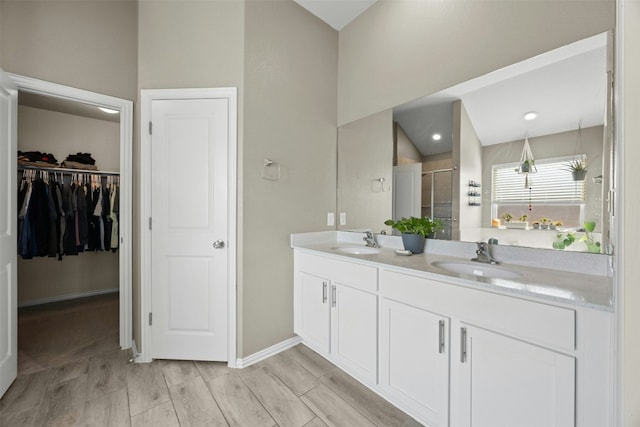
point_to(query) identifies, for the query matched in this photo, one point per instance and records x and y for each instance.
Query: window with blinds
(552, 183)
(551, 192)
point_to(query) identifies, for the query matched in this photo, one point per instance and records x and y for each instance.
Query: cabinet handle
(333, 295)
(324, 292)
(441, 337)
(463, 345)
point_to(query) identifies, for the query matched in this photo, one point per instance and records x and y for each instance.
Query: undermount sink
(477, 269)
(357, 250)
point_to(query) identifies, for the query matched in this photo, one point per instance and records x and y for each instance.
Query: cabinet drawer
(535, 322)
(360, 276)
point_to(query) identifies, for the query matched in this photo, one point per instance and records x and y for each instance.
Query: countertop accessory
(403, 252)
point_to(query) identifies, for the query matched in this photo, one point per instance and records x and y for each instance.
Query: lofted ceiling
(336, 13)
(566, 86)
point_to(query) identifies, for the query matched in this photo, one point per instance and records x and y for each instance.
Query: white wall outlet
(331, 219)
(343, 218)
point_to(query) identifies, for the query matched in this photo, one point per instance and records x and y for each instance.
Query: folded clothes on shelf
(76, 165)
(84, 158)
(37, 157)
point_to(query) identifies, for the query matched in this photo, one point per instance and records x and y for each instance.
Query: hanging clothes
(93, 200)
(82, 221)
(114, 206)
(65, 214)
(69, 203)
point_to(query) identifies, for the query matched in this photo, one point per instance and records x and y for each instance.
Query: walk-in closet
(68, 238)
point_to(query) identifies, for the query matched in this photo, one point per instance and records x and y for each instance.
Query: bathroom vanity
(456, 343)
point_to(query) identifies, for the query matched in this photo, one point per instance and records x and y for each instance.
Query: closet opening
(74, 252)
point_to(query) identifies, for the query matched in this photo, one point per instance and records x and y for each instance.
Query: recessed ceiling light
(531, 115)
(109, 110)
(436, 137)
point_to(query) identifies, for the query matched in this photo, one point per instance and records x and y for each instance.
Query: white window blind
(553, 183)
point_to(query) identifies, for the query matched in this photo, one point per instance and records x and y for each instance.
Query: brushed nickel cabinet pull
(463, 345)
(324, 292)
(333, 295)
(441, 337)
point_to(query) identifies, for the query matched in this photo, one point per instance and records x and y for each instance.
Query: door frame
(41, 87)
(146, 99)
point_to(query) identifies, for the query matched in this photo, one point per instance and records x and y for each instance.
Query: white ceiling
(336, 13)
(64, 106)
(565, 87)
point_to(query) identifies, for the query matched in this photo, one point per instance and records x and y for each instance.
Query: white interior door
(8, 230)
(407, 190)
(189, 233)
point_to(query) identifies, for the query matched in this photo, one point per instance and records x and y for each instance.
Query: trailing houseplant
(565, 240)
(415, 231)
(592, 245)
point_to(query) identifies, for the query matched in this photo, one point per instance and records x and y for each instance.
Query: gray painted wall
(291, 62)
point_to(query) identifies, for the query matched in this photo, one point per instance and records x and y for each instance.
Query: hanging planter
(578, 169)
(578, 166)
(527, 162)
(579, 175)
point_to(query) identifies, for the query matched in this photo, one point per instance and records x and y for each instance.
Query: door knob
(218, 244)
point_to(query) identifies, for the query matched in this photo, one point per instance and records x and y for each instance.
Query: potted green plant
(415, 231)
(506, 217)
(544, 223)
(578, 169)
(525, 167)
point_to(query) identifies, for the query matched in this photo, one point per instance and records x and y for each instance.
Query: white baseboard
(268, 352)
(66, 297)
(134, 350)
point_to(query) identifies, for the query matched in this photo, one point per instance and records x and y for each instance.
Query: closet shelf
(64, 170)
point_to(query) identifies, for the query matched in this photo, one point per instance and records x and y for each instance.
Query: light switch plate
(343, 218)
(331, 219)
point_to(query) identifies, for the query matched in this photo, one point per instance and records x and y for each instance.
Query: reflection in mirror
(453, 155)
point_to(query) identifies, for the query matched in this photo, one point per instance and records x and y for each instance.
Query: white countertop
(587, 290)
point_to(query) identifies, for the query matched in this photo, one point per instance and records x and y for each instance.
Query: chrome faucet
(370, 239)
(483, 253)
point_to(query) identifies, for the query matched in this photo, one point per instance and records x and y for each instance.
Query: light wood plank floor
(72, 373)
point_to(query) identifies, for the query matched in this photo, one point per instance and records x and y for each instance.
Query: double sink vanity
(459, 343)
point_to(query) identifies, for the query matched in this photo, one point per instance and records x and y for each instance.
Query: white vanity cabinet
(414, 360)
(454, 352)
(313, 298)
(503, 381)
(507, 361)
(336, 312)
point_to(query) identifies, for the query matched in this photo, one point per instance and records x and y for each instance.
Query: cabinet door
(354, 320)
(507, 382)
(314, 311)
(414, 360)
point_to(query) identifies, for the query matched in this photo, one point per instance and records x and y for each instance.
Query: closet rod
(65, 170)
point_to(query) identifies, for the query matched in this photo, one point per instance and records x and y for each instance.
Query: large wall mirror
(457, 154)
